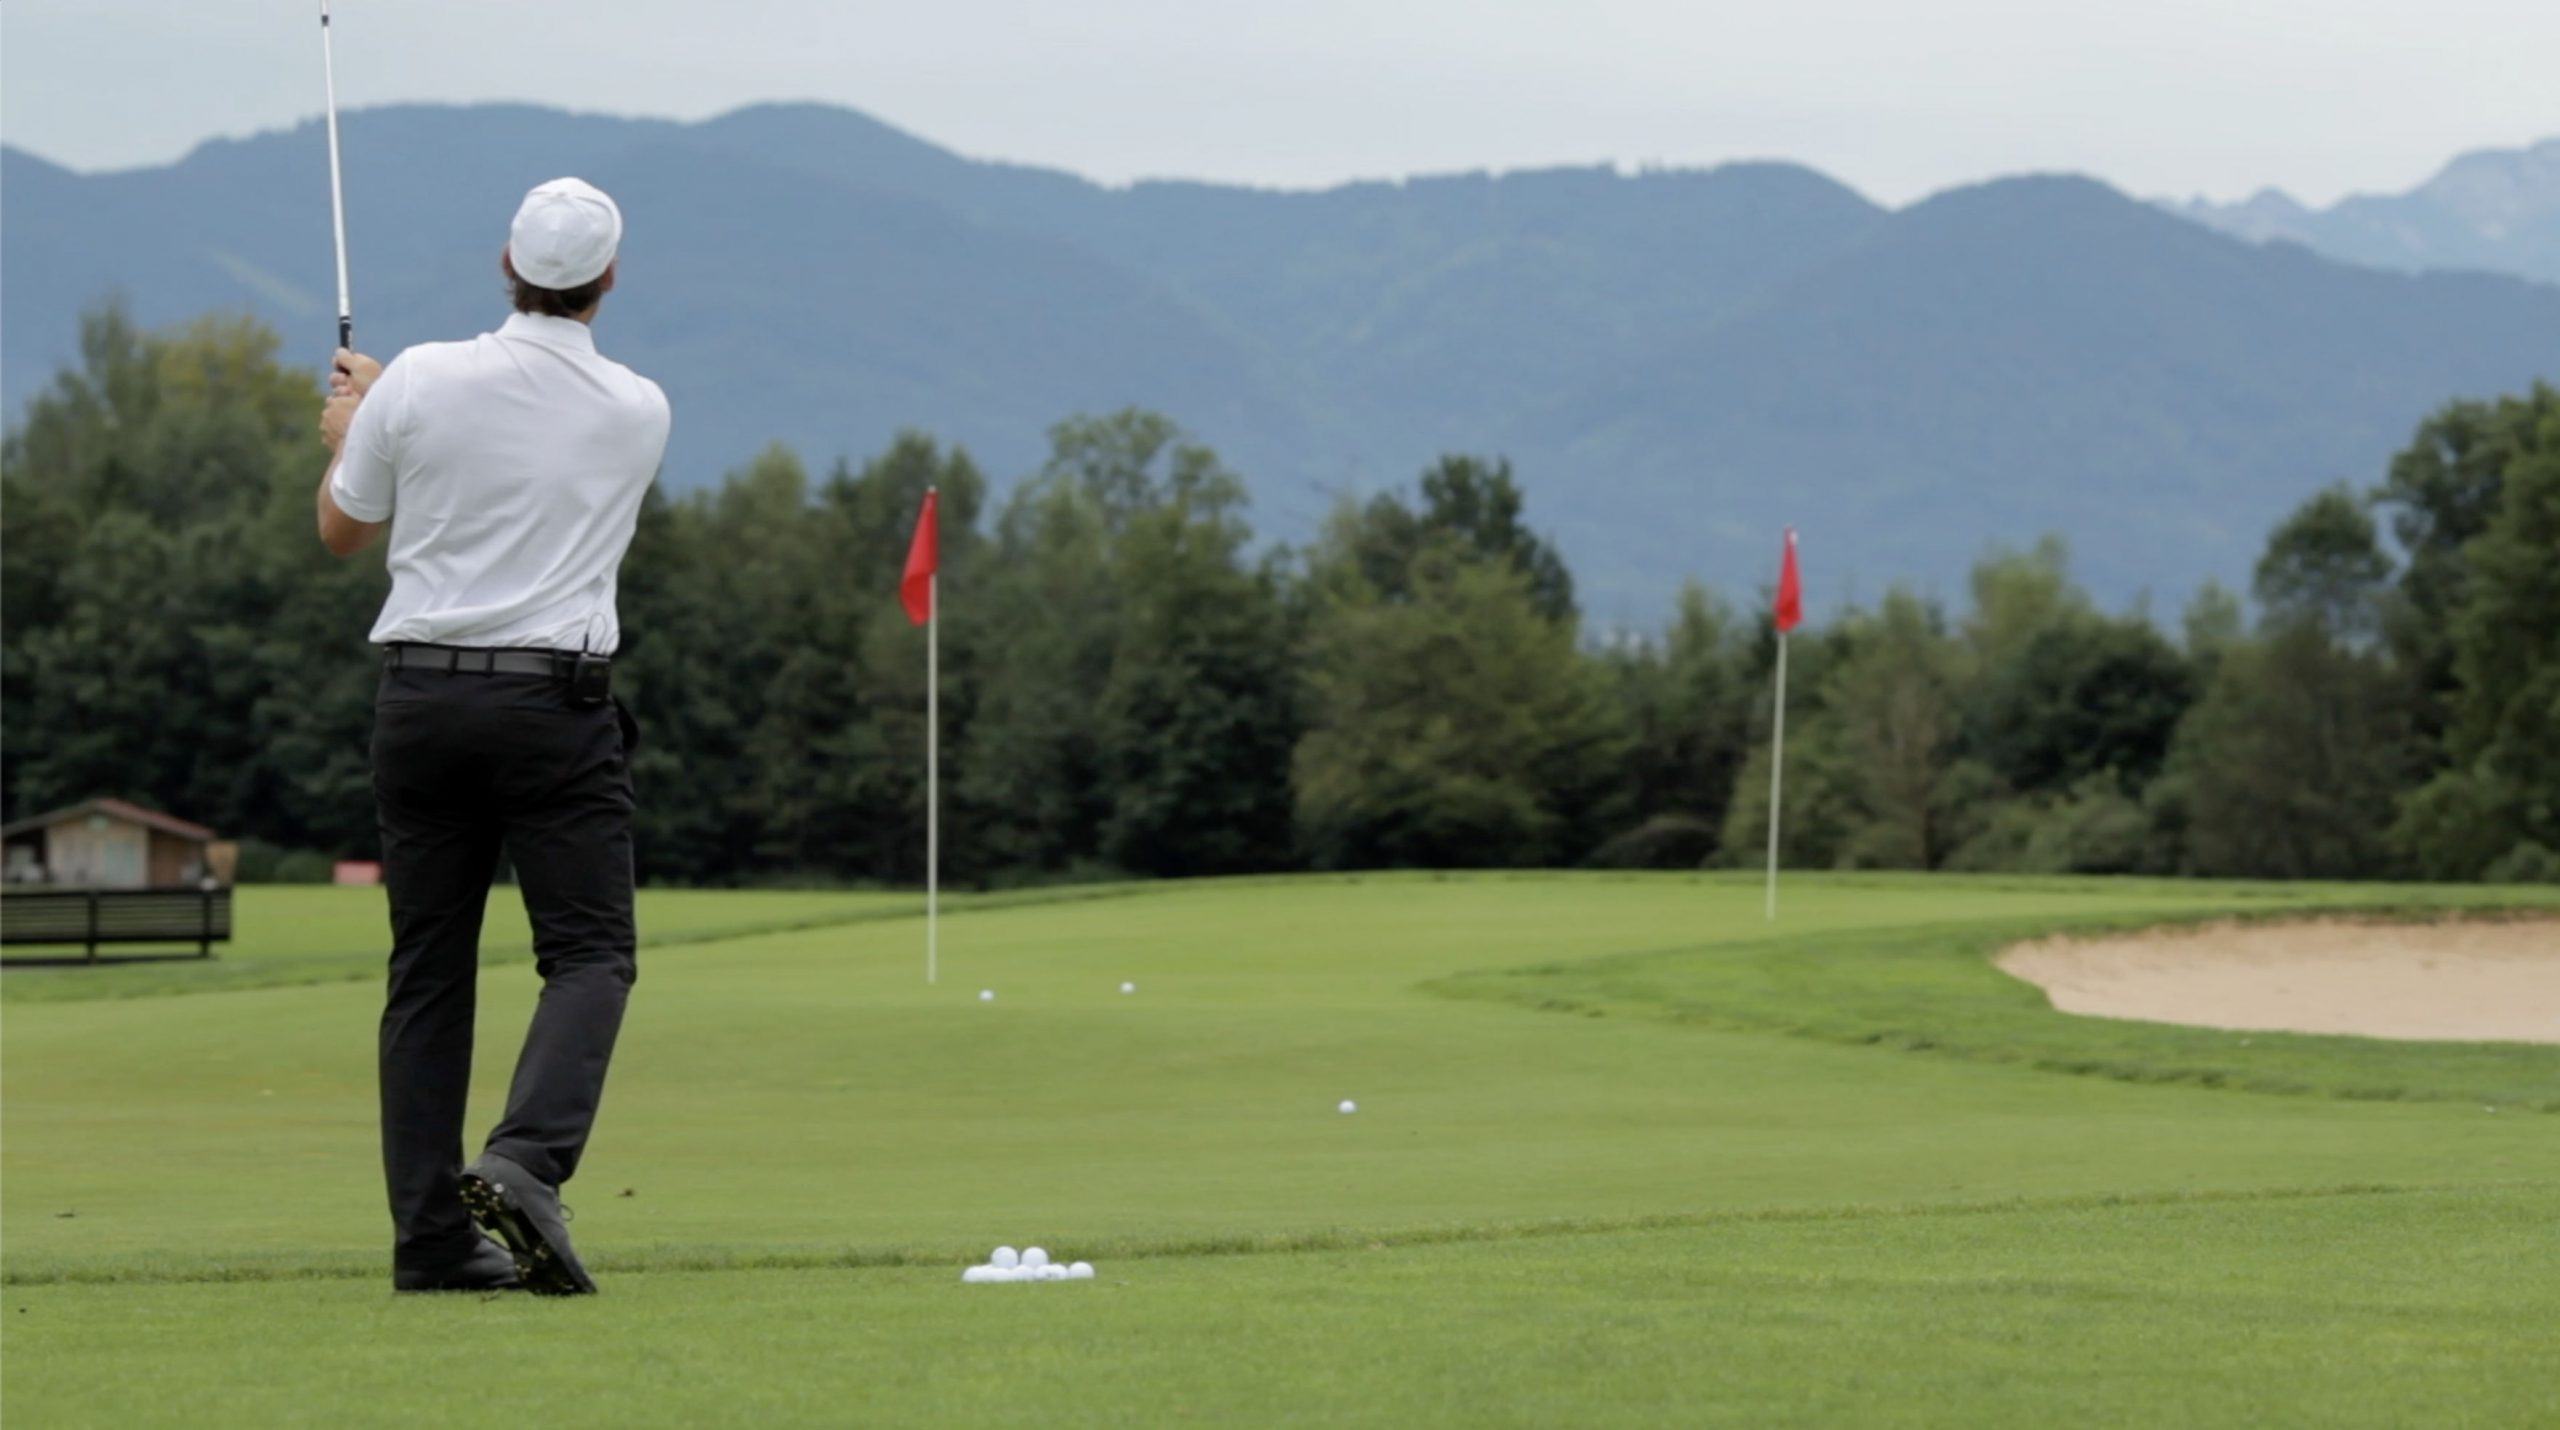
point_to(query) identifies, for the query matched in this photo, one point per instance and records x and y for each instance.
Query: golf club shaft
(337, 187)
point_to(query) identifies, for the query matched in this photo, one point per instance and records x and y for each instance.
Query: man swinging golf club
(510, 471)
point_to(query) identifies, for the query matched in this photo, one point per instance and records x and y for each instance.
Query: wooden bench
(97, 917)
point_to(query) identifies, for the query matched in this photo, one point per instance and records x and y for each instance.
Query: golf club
(337, 187)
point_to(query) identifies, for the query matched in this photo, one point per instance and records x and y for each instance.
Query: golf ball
(976, 1275)
(1053, 1272)
(1004, 1257)
(986, 995)
(1081, 1271)
(1034, 1257)
(1349, 1106)
(1128, 988)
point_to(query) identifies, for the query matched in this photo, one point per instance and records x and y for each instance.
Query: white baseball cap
(565, 234)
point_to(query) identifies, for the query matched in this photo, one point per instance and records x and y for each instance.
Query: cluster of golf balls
(1030, 1264)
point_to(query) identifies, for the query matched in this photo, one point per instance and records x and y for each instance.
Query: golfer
(509, 470)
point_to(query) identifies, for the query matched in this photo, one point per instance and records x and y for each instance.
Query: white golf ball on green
(1034, 1257)
(1349, 1106)
(1081, 1271)
(1004, 1257)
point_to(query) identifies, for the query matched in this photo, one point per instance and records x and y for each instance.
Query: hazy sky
(2163, 97)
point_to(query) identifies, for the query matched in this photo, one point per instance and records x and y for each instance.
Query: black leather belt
(476, 660)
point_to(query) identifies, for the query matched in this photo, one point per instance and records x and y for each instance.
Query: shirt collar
(549, 331)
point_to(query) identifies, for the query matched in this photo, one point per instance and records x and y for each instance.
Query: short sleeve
(666, 423)
(368, 465)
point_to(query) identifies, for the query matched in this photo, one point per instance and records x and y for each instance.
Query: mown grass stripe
(348, 1265)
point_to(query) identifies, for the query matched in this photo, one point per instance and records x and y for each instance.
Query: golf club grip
(347, 331)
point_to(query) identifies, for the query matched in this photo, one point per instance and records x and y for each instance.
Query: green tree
(1471, 505)
(2094, 827)
(1138, 706)
(2017, 596)
(1891, 701)
(191, 425)
(2323, 566)
(1688, 702)
(2495, 808)
(780, 693)
(173, 632)
(1822, 810)
(2288, 766)
(1199, 708)
(2083, 696)
(706, 662)
(1457, 726)
(2441, 493)
(1037, 753)
(2212, 623)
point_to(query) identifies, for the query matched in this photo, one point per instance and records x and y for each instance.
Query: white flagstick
(1777, 769)
(337, 190)
(932, 772)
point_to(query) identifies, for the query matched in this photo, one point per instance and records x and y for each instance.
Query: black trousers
(465, 766)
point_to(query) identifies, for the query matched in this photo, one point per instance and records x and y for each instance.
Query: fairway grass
(287, 935)
(2359, 1309)
(1532, 1218)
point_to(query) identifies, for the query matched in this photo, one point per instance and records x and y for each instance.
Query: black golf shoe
(486, 1267)
(514, 1206)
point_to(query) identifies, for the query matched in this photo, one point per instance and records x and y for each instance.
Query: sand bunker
(2466, 981)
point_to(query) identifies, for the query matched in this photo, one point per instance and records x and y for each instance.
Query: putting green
(802, 1099)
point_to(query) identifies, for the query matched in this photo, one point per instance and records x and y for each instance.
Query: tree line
(1134, 684)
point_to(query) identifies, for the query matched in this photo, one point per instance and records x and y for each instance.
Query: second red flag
(924, 558)
(1790, 606)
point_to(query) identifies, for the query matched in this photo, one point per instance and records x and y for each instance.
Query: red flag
(915, 590)
(1790, 611)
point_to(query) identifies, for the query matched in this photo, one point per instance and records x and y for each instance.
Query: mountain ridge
(1676, 361)
(2493, 210)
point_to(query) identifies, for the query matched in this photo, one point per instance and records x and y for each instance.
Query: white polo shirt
(511, 468)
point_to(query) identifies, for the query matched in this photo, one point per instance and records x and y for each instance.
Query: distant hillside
(2497, 211)
(1676, 362)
